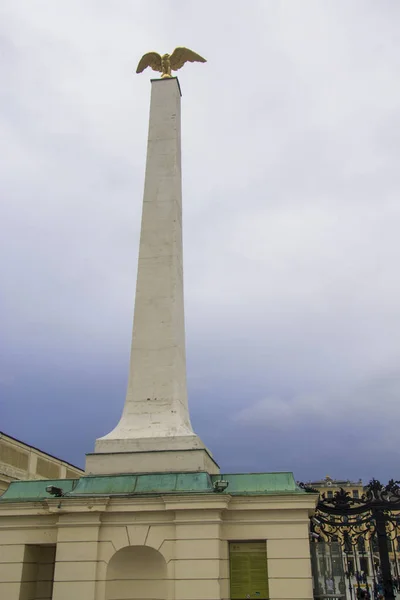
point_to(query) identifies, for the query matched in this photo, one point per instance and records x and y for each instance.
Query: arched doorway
(137, 572)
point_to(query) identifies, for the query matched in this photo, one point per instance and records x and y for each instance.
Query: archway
(136, 572)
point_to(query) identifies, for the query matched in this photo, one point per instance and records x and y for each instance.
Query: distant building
(19, 461)
(329, 486)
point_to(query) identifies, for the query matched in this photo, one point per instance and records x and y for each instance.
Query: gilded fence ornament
(168, 62)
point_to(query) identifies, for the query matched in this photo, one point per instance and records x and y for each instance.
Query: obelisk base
(121, 452)
(124, 443)
(155, 461)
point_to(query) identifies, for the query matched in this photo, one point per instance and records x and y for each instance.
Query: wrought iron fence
(366, 532)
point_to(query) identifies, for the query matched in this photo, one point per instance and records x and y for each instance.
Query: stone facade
(159, 547)
(19, 461)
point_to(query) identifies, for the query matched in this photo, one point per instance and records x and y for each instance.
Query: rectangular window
(330, 494)
(350, 566)
(47, 469)
(14, 456)
(356, 494)
(364, 566)
(248, 570)
(337, 559)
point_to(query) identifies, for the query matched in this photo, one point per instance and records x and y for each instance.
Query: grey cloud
(291, 216)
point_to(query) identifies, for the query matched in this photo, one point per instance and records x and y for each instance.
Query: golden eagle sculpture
(168, 62)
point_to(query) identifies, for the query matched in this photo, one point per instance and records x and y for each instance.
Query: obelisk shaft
(156, 415)
(156, 402)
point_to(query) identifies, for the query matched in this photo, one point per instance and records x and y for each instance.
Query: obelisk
(154, 433)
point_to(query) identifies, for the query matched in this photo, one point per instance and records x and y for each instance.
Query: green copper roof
(34, 490)
(259, 483)
(145, 484)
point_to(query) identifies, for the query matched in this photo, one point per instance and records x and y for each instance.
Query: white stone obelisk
(155, 433)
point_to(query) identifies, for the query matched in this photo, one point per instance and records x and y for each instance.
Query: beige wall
(178, 543)
(18, 461)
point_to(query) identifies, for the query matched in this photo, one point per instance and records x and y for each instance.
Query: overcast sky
(291, 179)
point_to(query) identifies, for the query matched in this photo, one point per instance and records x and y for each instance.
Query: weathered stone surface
(156, 415)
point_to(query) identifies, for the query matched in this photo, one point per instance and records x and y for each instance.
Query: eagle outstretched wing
(152, 60)
(182, 55)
